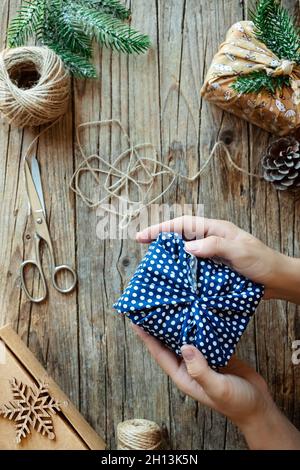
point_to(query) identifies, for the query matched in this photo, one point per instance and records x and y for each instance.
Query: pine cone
(281, 164)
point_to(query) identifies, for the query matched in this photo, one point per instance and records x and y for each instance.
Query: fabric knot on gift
(284, 67)
(184, 300)
(240, 55)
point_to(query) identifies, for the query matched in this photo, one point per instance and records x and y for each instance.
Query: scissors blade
(33, 196)
(36, 176)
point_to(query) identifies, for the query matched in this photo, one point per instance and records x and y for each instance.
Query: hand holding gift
(237, 390)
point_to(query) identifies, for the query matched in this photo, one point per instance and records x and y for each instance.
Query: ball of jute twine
(138, 434)
(41, 101)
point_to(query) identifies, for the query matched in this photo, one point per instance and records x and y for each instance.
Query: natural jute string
(151, 167)
(45, 100)
(139, 434)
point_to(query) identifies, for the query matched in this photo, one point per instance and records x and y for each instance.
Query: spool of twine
(34, 86)
(138, 434)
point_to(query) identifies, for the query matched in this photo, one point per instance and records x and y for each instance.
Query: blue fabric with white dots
(184, 300)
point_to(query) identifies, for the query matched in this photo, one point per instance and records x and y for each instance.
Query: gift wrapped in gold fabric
(241, 54)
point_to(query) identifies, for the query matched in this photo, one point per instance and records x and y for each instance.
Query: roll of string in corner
(34, 86)
(139, 434)
(119, 189)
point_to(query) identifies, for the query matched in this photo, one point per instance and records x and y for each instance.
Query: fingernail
(187, 353)
(192, 246)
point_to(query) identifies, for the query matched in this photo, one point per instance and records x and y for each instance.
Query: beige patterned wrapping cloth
(241, 54)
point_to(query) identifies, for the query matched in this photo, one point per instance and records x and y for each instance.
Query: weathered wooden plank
(148, 394)
(50, 329)
(180, 58)
(273, 220)
(223, 191)
(91, 293)
(120, 354)
(10, 224)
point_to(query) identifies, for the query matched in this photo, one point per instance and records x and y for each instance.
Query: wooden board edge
(25, 356)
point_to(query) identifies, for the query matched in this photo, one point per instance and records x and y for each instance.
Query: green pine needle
(256, 81)
(110, 31)
(66, 32)
(79, 66)
(30, 18)
(112, 7)
(70, 26)
(276, 29)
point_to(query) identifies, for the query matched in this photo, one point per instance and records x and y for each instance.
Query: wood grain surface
(89, 351)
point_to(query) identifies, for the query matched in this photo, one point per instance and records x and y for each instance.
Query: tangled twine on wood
(118, 181)
(34, 86)
(139, 434)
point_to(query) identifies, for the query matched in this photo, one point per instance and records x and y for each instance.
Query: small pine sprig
(112, 7)
(69, 27)
(276, 29)
(30, 19)
(62, 33)
(256, 81)
(78, 65)
(109, 31)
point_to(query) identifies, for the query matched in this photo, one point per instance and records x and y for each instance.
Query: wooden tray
(71, 429)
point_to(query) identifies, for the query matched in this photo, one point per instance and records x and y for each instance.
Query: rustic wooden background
(91, 352)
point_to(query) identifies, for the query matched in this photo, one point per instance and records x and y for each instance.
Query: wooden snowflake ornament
(30, 408)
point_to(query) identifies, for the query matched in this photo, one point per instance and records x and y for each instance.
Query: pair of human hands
(238, 392)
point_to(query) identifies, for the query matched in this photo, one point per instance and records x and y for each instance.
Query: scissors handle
(55, 270)
(30, 263)
(67, 269)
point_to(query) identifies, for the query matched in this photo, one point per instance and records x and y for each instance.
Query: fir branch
(79, 66)
(276, 29)
(69, 27)
(112, 7)
(71, 34)
(65, 31)
(110, 31)
(29, 19)
(256, 81)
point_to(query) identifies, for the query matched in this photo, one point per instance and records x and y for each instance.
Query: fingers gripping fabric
(180, 300)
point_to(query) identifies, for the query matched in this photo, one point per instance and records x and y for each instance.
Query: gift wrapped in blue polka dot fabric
(184, 300)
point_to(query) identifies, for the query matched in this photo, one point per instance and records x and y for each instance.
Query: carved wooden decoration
(31, 408)
(34, 412)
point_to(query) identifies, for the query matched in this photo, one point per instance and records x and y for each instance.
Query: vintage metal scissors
(41, 232)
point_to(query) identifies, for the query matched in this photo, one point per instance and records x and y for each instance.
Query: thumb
(212, 246)
(213, 383)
